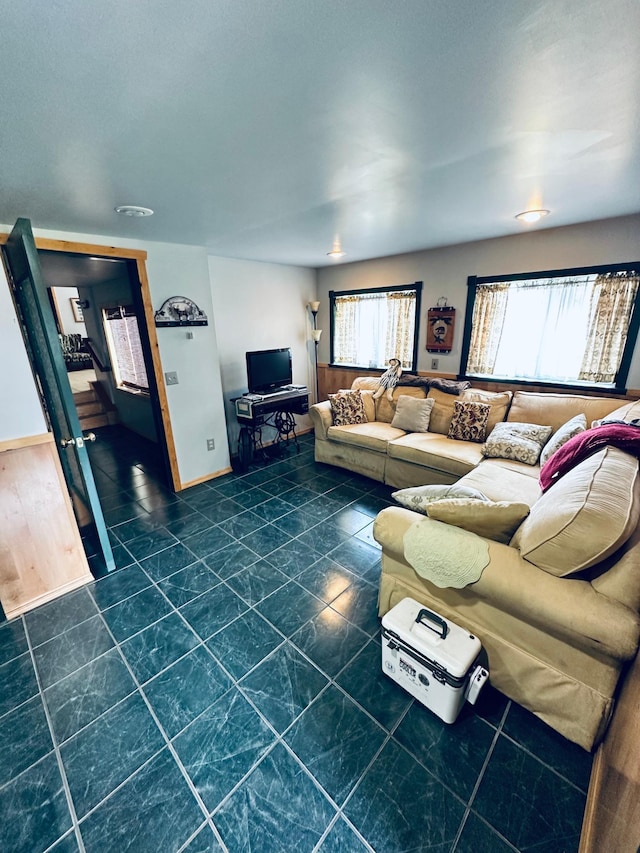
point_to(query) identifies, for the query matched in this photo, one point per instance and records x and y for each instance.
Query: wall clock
(180, 311)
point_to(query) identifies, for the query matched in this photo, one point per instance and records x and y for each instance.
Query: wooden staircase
(94, 408)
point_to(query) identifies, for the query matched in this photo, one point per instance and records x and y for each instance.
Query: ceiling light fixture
(133, 210)
(336, 252)
(531, 215)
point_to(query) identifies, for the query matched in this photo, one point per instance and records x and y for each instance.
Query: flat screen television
(268, 369)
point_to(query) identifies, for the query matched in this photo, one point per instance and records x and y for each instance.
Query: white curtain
(371, 328)
(544, 329)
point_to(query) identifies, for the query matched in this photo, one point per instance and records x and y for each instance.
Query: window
(568, 327)
(125, 348)
(368, 327)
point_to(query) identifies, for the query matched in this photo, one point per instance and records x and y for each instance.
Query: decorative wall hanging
(440, 326)
(180, 311)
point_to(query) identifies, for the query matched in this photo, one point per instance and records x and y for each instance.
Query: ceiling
(269, 129)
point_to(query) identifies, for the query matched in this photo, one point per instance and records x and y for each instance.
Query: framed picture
(76, 307)
(440, 327)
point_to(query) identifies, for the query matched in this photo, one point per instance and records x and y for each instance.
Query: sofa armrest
(566, 608)
(321, 418)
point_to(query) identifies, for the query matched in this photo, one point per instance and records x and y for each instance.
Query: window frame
(618, 387)
(119, 383)
(398, 288)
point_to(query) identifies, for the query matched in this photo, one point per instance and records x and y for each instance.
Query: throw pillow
(469, 421)
(444, 404)
(418, 498)
(493, 520)
(561, 436)
(412, 414)
(512, 440)
(347, 408)
(587, 515)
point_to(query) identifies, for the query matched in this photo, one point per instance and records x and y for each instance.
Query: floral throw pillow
(419, 498)
(347, 408)
(469, 421)
(519, 441)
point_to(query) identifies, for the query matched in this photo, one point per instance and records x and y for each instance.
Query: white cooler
(432, 658)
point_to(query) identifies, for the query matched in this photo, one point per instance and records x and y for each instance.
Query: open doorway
(103, 334)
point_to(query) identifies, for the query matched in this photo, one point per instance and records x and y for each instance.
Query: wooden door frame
(139, 256)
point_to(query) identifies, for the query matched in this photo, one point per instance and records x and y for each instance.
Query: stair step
(81, 397)
(94, 421)
(94, 407)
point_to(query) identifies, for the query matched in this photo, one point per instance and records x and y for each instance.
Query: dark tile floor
(222, 690)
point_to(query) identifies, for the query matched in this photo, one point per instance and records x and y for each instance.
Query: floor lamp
(315, 334)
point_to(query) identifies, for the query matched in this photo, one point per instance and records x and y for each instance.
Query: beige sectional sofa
(557, 608)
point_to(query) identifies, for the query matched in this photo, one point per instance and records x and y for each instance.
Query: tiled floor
(223, 690)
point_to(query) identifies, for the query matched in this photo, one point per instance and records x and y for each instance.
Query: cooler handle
(433, 617)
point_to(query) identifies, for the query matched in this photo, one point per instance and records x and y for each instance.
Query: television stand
(273, 410)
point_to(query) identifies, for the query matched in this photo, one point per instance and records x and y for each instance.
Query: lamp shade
(315, 334)
(314, 306)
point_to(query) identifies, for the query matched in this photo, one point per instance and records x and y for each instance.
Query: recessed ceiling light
(133, 210)
(531, 215)
(336, 253)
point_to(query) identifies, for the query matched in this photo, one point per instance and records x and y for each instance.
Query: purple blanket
(586, 443)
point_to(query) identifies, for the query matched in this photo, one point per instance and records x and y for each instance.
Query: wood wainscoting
(41, 552)
(332, 379)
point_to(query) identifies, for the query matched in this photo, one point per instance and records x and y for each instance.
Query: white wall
(261, 306)
(195, 404)
(444, 273)
(68, 323)
(21, 411)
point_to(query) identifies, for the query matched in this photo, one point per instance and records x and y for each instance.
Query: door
(39, 329)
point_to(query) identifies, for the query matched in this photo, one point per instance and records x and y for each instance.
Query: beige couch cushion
(372, 436)
(493, 520)
(444, 406)
(504, 480)
(412, 414)
(436, 451)
(385, 410)
(584, 517)
(556, 409)
(628, 412)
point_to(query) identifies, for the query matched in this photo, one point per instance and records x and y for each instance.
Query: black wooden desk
(270, 410)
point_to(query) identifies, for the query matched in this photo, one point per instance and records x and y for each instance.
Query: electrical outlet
(171, 378)
(211, 444)
(434, 364)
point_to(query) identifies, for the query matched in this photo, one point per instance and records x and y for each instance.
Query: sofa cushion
(372, 436)
(385, 409)
(445, 403)
(347, 408)
(627, 413)
(556, 409)
(493, 520)
(585, 517)
(412, 414)
(519, 441)
(505, 480)
(436, 451)
(469, 421)
(561, 436)
(419, 498)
